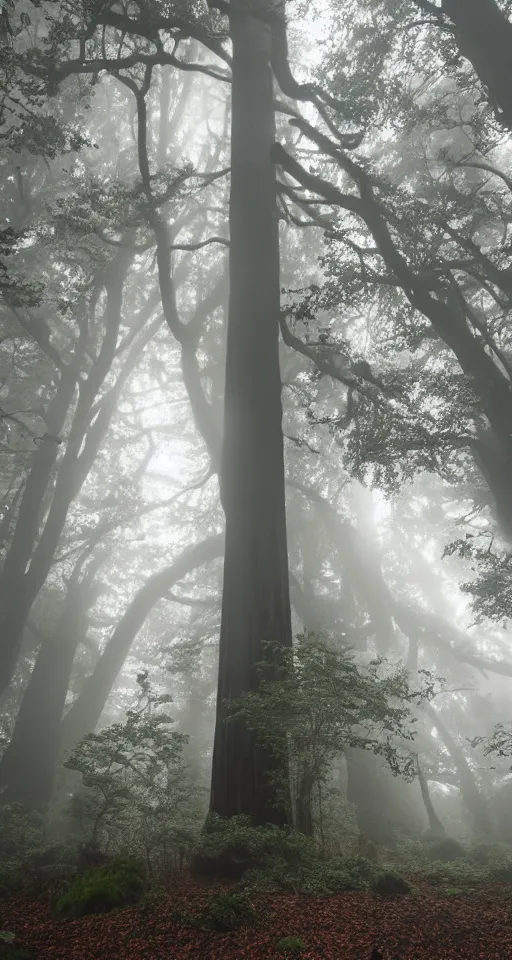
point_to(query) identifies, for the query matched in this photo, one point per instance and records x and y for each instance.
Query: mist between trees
(255, 396)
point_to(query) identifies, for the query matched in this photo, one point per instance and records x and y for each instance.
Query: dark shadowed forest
(255, 479)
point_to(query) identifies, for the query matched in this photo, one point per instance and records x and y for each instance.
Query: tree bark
(304, 804)
(256, 602)
(484, 36)
(27, 767)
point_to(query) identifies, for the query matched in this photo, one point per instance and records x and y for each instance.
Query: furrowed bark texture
(256, 602)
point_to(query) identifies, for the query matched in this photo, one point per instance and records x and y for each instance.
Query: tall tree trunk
(27, 768)
(484, 36)
(256, 601)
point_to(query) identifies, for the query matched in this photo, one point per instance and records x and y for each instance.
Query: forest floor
(430, 924)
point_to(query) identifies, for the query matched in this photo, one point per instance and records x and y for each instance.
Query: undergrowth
(120, 884)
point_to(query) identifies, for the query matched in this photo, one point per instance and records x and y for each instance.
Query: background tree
(392, 369)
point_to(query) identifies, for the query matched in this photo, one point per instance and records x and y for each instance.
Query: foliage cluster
(389, 883)
(120, 884)
(226, 911)
(491, 586)
(136, 791)
(291, 946)
(22, 837)
(320, 701)
(271, 859)
(448, 864)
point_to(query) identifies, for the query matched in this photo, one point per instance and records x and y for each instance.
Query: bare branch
(202, 243)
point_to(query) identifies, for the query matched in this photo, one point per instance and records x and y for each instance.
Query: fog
(153, 320)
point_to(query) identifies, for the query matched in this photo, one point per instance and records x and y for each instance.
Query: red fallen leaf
(345, 927)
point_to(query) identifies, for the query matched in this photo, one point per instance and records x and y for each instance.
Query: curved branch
(316, 184)
(488, 167)
(110, 65)
(202, 243)
(85, 712)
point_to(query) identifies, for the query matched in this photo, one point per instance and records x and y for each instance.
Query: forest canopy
(255, 418)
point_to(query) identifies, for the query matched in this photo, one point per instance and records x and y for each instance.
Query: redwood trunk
(484, 35)
(256, 601)
(304, 805)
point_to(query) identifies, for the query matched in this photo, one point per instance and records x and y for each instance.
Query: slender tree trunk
(436, 827)
(13, 595)
(365, 790)
(28, 765)
(256, 602)
(384, 803)
(20, 586)
(83, 715)
(468, 787)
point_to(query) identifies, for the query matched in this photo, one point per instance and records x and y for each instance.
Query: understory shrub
(269, 859)
(10, 950)
(27, 860)
(21, 837)
(11, 878)
(487, 853)
(291, 946)
(136, 791)
(120, 884)
(21, 831)
(37, 868)
(226, 912)
(236, 846)
(446, 850)
(500, 872)
(388, 883)
(459, 873)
